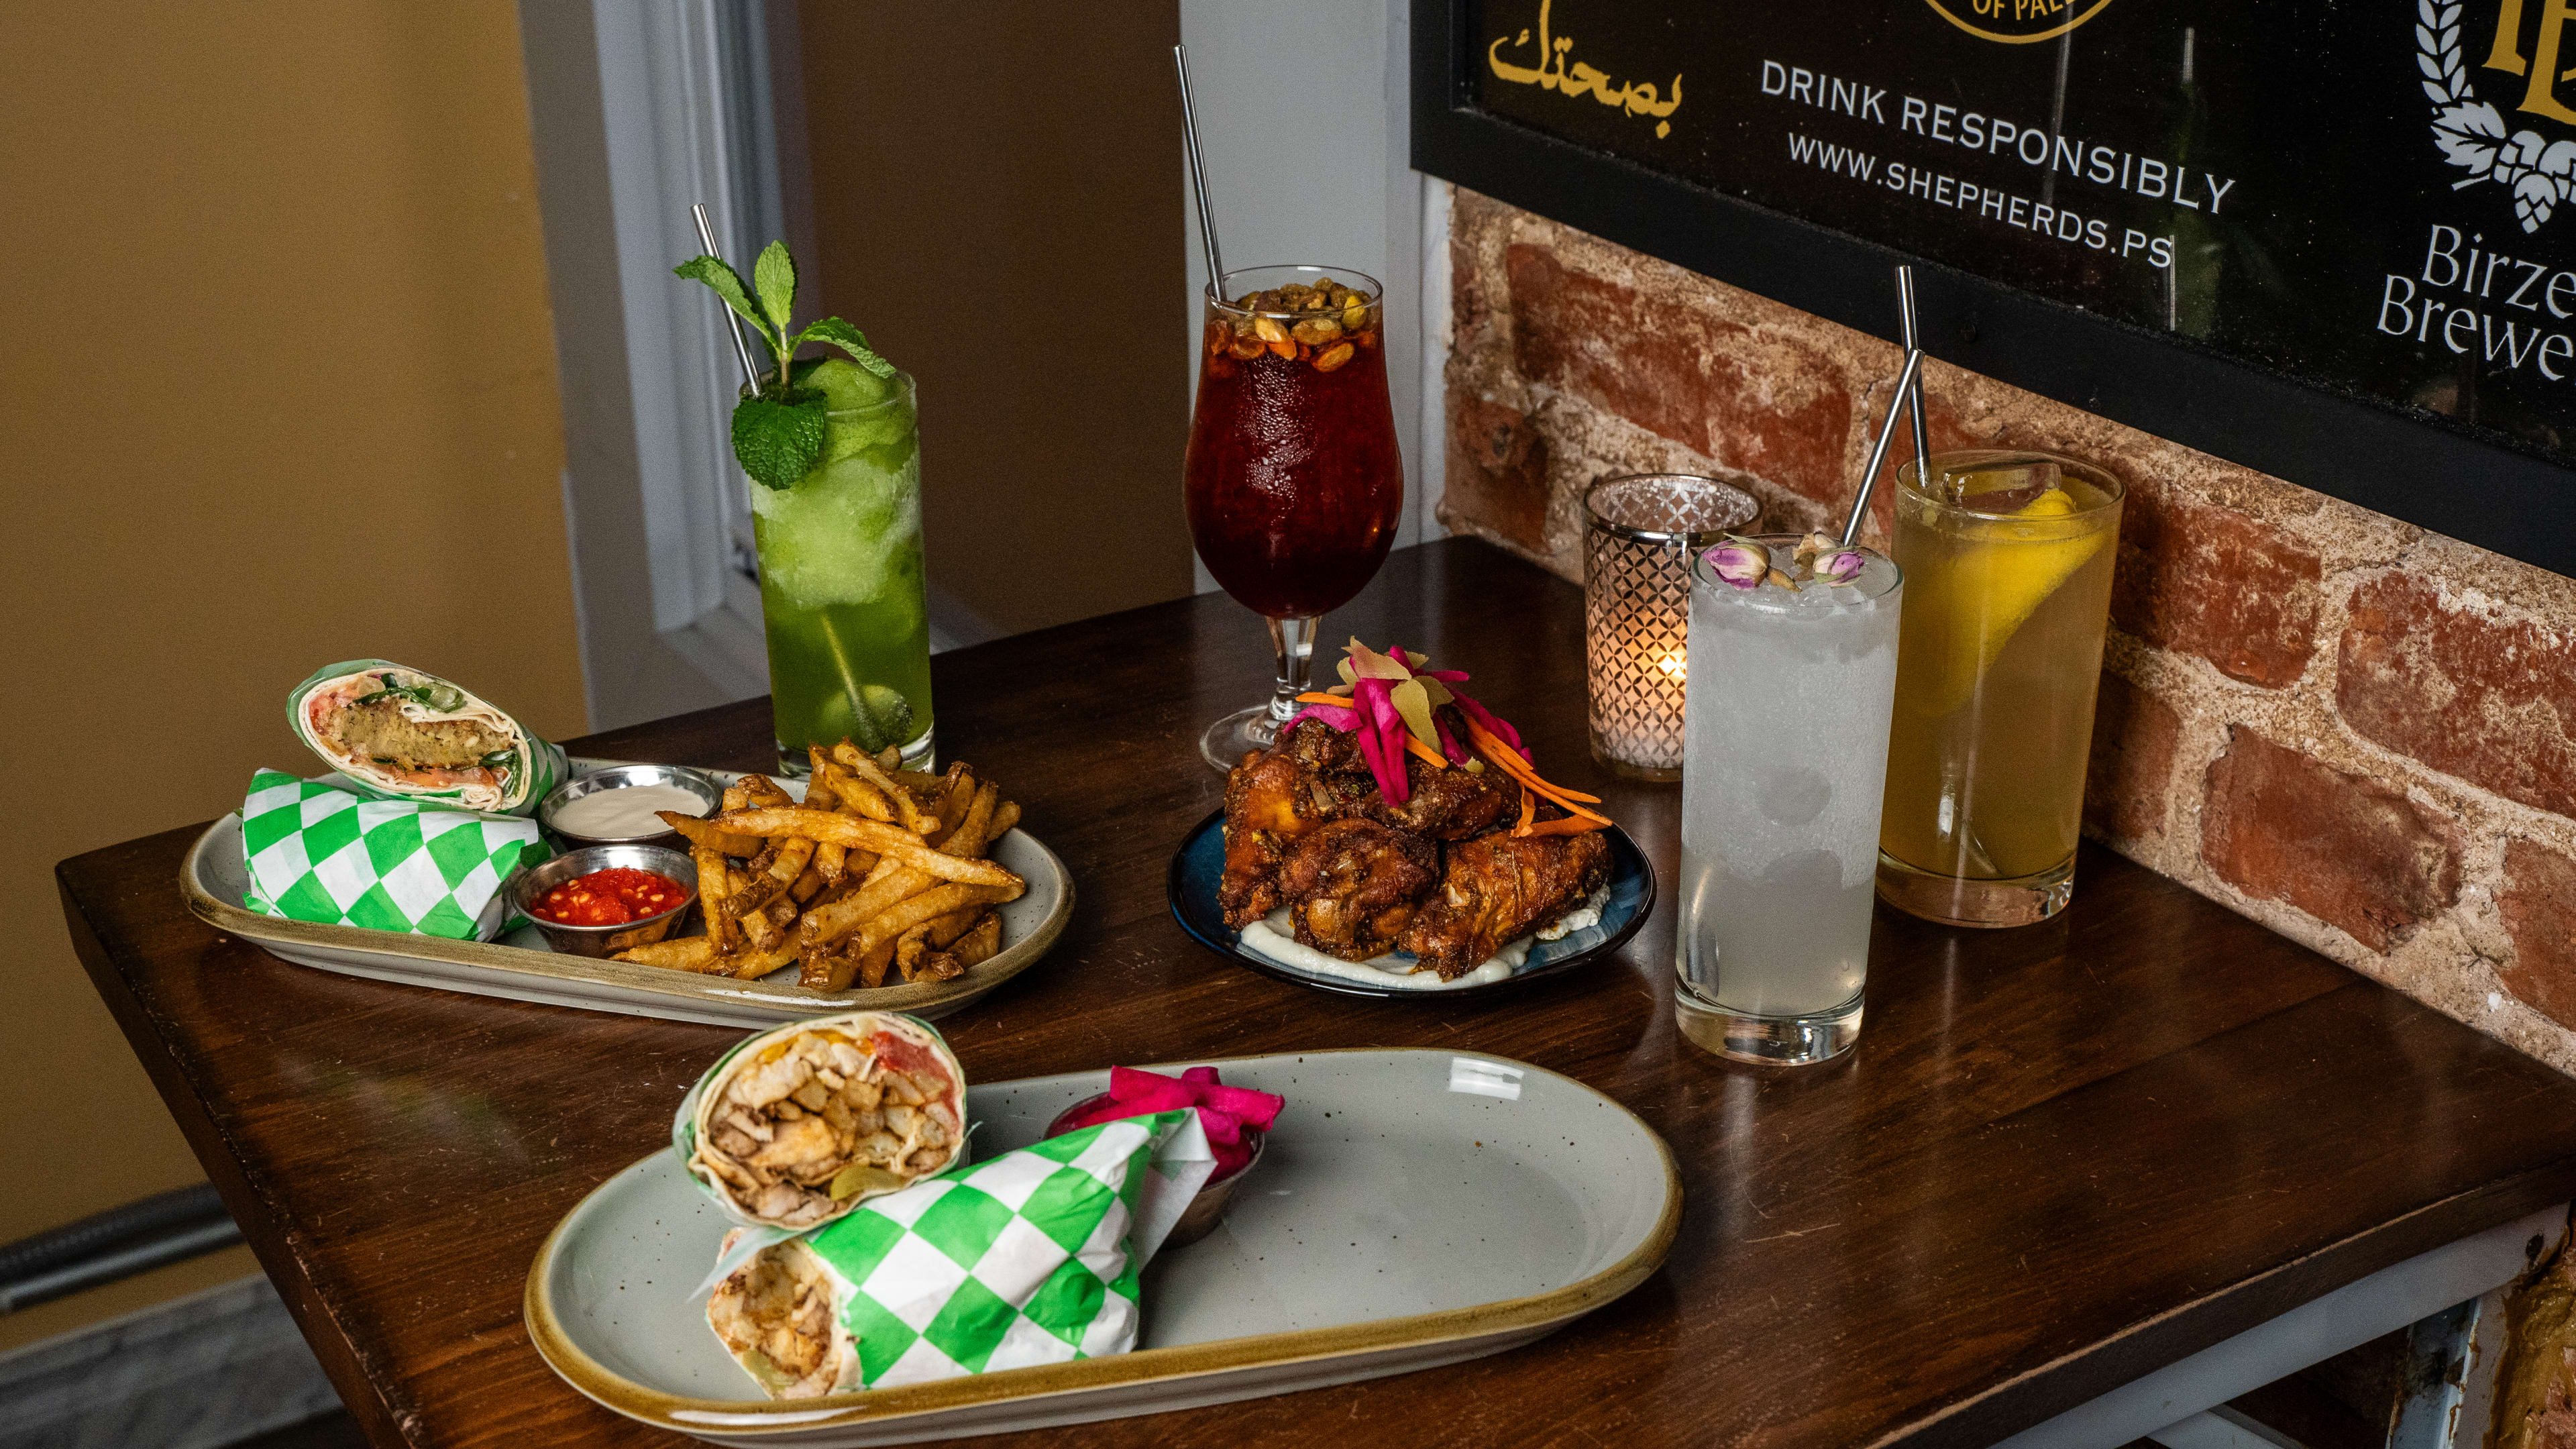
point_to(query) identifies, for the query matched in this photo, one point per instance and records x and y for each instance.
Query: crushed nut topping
(1323, 325)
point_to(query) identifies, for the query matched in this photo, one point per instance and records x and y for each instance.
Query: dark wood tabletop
(2061, 1156)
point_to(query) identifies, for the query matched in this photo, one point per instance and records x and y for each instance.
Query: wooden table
(2061, 1156)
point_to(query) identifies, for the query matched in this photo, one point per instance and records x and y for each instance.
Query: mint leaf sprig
(778, 431)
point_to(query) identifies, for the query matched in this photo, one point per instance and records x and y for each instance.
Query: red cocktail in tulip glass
(1294, 483)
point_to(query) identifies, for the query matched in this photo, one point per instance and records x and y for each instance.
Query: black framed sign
(2332, 241)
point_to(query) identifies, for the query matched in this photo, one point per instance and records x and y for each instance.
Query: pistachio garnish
(1323, 325)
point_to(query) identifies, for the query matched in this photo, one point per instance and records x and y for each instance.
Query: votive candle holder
(1640, 533)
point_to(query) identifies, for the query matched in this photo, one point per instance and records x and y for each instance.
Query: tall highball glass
(1785, 748)
(2009, 555)
(1293, 482)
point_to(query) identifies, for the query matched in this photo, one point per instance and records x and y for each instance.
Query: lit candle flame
(1675, 666)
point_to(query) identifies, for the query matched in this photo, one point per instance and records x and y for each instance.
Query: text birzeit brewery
(2467, 299)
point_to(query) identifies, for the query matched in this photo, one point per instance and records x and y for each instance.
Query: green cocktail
(841, 576)
(833, 447)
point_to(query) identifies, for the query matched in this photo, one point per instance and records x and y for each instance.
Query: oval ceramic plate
(1411, 1209)
(521, 967)
(1200, 863)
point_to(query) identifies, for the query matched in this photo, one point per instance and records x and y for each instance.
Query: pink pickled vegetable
(1494, 724)
(1225, 1113)
(1448, 744)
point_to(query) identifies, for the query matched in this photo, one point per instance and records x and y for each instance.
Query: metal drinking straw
(1878, 450)
(1914, 397)
(1198, 173)
(741, 345)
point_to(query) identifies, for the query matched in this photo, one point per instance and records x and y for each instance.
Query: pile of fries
(880, 873)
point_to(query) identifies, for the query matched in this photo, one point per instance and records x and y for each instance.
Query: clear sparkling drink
(1784, 765)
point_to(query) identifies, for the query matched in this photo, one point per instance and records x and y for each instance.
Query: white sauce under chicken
(816, 1119)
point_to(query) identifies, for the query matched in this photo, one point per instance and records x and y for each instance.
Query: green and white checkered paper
(1030, 1258)
(320, 853)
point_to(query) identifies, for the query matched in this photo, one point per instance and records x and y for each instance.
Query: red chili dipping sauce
(611, 897)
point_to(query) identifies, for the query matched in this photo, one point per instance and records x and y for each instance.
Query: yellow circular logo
(2016, 22)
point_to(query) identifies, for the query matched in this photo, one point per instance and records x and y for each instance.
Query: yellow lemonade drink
(2007, 559)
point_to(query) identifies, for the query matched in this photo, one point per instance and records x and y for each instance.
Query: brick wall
(2359, 733)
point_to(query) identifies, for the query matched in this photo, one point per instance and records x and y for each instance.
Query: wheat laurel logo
(2540, 173)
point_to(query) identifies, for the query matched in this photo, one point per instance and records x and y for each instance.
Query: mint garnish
(779, 441)
(778, 431)
(850, 340)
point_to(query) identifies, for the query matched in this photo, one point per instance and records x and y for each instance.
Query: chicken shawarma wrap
(799, 1125)
(406, 735)
(779, 1316)
(1033, 1256)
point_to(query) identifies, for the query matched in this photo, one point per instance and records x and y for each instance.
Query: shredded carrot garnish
(1513, 765)
(1438, 761)
(1529, 812)
(1338, 701)
(1510, 759)
(1563, 825)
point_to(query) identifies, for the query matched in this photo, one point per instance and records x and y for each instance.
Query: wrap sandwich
(405, 735)
(799, 1125)
(1034, 1256)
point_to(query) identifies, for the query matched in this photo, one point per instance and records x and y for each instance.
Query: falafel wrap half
(405, 735)
(798, 1125)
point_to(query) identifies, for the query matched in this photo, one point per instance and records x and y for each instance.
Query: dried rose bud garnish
(1741, 563)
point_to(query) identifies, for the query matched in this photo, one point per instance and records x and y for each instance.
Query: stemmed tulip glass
(1294, 484)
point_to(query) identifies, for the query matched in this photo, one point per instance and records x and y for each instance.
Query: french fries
(912, 849)
(879, 875)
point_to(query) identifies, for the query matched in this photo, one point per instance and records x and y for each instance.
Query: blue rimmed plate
(1200, 863)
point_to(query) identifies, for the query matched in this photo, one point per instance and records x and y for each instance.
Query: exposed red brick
(1758, 402)
(2538, 904)
(2343, 848)
(2131, 778)
(2493, 703)
(1471, 303)
(2215, 583)
(1497, 470)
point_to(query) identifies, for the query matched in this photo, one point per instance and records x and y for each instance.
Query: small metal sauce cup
(531, 886)
(619, 777)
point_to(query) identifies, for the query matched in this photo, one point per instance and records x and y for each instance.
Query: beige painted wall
(277, 387)
(997, 203)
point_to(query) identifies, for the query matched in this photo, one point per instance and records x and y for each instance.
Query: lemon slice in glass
(1962, 612)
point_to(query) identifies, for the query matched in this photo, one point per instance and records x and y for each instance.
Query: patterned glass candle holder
(1640, 533)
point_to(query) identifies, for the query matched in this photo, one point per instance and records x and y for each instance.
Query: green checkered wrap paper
(1029, 1258)
(319, 853)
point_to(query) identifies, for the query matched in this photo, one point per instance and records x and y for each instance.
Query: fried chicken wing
(1454, 804)
(1324, 750)
(1267, 808)
(1354, 884)
(1499, 888)
(1272, 800)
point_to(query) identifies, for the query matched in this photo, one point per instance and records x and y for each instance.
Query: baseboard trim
(198, 1372)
